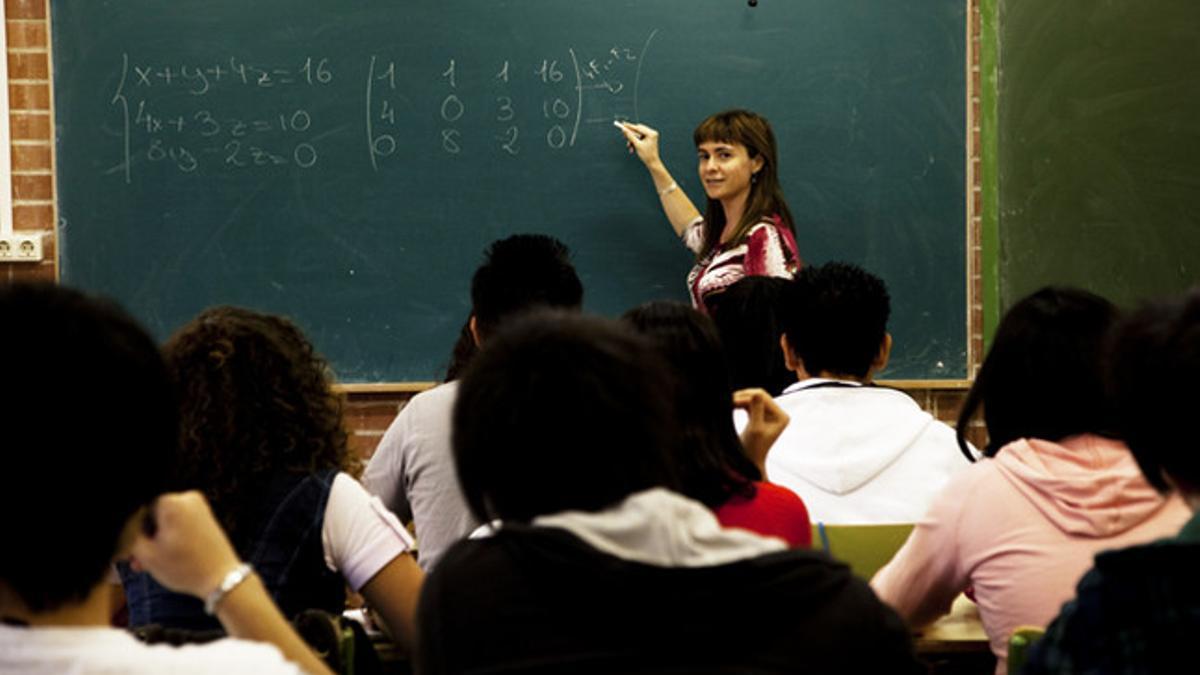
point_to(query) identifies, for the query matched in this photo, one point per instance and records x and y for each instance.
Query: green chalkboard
(1099, 120)
(345, 163)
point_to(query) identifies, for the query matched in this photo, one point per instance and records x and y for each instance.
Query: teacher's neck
(734, 208)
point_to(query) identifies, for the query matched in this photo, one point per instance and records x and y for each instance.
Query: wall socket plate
(21, 248)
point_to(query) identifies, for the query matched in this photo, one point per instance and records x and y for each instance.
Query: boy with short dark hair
(89, 427)
(854, 452)
(412, 470)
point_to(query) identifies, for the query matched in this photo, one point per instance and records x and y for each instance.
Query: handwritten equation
(180, 116)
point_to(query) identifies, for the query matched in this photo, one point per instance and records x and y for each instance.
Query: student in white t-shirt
(90, 428)
(262, 437)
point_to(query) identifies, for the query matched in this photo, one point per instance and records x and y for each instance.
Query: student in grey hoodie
(854, 452)
(597, 564)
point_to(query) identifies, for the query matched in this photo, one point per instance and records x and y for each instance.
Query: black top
(541, 600)
(1136, 611)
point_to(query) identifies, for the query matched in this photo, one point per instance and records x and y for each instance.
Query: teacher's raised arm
(747, 229)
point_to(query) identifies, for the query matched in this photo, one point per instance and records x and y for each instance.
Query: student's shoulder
(441, 396)
(778, 497)
(224, 655)
(847, 609)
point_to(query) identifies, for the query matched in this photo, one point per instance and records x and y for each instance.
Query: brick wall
(29, 100)
(368, 414)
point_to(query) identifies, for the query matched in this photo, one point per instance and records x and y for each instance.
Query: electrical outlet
(21, 248)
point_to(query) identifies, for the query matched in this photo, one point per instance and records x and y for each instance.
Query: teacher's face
(726, 169)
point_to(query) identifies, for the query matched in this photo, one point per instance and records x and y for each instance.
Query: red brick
(373, 407)
(948, 404)
(33, 217)
(33, 187)
(26, 34)
(976, 23)
(977, 435)
(25, 9)
(31, 157)
(363, 445)
(27, 127)
(29, 96)
(28, 66)
(43, 271)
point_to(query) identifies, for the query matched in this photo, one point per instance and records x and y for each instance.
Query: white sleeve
(385, 469)
(693, 236)
(360, 535)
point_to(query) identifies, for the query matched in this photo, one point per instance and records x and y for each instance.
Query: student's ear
(790, 360)
(881, 359)
(474, 331)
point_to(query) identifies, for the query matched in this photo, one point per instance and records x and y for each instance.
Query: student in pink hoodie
(1022, 526)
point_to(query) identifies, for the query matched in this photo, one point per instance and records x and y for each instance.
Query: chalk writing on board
(506, 113)
(172, 115)
(381, 144)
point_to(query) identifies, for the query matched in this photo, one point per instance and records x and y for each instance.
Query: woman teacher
(747, 229)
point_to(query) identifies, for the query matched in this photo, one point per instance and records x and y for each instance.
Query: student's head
(738, 146)
(1044, 374)
(519, 273)
(461, 353)
(835, 322)
(255, 401)
(1155, 367)
(90, 426)
(712, 465)
(747, 315)
(562, 412)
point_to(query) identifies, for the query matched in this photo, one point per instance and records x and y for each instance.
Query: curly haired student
(262, 438)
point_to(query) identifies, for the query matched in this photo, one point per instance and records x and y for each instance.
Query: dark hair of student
(462, 352)
(835, 317)
(255, 402)
(562, 412)
(1155, 365)
(766, 196)
(90, 430)
(747, 316)
(712, 465)
(519, 273)
(1044, 376)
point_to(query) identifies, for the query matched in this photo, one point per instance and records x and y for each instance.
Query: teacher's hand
(643, 140)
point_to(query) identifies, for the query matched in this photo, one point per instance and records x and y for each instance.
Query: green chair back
(866, 548)
(1019, 644)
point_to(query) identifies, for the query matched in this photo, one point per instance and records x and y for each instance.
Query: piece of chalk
(618, 124)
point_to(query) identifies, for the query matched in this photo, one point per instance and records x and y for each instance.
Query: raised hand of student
(183, 546)
(186, 550)
(766, 421)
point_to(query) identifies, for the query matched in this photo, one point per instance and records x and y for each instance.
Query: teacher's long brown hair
(766, 197)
